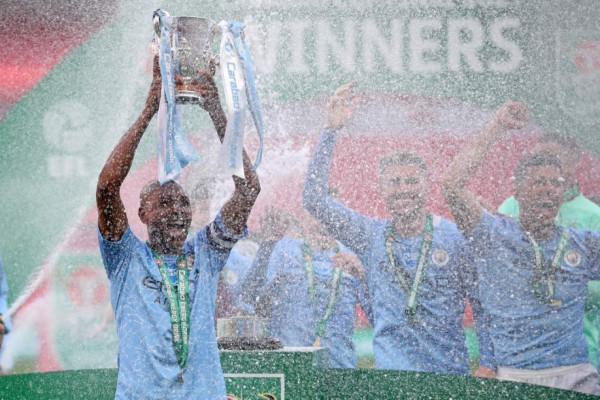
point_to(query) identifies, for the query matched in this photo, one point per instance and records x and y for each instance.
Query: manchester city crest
(572, 258)
(440, 257)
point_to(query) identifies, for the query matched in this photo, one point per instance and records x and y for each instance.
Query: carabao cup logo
(578, 74)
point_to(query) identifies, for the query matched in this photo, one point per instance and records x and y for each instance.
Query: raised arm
(112, 220)
(464, 205)
(341, 222)
(236, 210)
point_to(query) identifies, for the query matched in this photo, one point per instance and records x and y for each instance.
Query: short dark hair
(562, 139)
(537, 159)
(402, 158)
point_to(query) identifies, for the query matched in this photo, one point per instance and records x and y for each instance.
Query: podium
(291, 374)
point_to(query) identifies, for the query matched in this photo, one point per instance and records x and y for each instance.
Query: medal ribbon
(179, 304)
(174, 149)
(543, 276)
(411, 291)
(312, 290)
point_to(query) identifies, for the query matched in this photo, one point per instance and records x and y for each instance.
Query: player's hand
(484, 372)
(274, 224)
(350, 264)
(512, 115)
(203, 84)
(341, 107)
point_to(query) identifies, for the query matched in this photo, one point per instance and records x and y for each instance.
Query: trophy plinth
(245, 333)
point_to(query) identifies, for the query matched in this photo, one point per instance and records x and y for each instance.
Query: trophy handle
(156, 21)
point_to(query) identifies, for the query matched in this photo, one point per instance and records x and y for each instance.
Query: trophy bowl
(245, 333)
(191, 46)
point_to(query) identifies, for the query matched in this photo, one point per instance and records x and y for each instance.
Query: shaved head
(154, 186)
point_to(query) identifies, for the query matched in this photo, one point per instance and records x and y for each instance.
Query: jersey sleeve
(282, 255)
(213, 243)
(116, 256)
(485, 230)
(348, 226)
(252, 288)
(592, 244)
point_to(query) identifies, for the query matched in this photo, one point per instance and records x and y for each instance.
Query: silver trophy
(191, 47)
(245, 333)
(242, 326)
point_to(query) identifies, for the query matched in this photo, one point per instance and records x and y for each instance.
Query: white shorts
(580, 378)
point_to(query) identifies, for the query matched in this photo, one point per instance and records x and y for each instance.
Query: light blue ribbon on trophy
(174, 149)
(239, 84)
(245, 55)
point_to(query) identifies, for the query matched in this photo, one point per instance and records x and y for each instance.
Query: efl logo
(67, 129)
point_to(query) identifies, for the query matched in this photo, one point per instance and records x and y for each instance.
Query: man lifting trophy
(168, 348)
